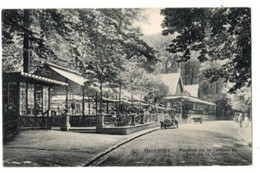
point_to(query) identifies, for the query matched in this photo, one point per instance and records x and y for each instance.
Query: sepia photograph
(126, 87)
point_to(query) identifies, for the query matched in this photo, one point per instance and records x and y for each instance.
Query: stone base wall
(125, 130)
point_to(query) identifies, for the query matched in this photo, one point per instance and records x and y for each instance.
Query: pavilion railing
(129, 120)
(11, 129)
(83, 121)
(91, 120)
(32, 121)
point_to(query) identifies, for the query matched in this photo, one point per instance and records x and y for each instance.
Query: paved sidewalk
(246, 132)
(57, 148)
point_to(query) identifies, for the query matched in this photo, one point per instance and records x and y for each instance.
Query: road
(210, 143)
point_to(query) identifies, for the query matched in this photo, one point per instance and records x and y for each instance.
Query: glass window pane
(45, 99)
(30, 108)
(39, 100)
(22, 99)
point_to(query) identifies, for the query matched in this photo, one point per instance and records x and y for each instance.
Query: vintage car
(196, 118)
(168, 122)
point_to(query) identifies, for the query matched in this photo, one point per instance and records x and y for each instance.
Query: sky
(153, 23)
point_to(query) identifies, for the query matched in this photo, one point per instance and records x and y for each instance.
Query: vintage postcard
(95, 87)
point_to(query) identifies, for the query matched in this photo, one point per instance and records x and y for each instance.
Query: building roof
(190, 99)
(171, 80)
(67, 73)
(22, 76)
(192, 89)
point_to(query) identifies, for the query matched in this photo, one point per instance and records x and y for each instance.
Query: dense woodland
(211, 46)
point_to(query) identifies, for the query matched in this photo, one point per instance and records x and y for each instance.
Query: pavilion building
(183, 101)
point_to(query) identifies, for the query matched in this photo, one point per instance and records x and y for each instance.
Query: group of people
(241, 119)
(161, 116)
(166, 120)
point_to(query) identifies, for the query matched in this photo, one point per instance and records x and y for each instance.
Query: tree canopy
(96, 42)
(77, 31)
(219, 35)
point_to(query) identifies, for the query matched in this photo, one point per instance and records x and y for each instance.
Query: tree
(82, 35)
(112, 41)
(221, 34)
(40, 26)
(167, 62)
(242, 100)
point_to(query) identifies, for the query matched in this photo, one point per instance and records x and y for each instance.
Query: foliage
(43, 25)
(167, 62)
(96, 42)
(217, 34)
(146, 86)
(242, 100)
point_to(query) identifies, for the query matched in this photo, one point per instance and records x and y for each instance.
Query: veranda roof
(190, 99)
(20, 76)
(67, 73)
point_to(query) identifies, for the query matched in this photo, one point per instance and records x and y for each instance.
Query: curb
(89, 163)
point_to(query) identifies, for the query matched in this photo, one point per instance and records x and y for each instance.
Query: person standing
(246, 120)
(146, 115)
(161, 118)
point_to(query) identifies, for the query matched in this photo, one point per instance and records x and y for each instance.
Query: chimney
(26, 43)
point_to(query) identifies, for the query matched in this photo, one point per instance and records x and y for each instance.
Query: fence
(31, 121)
(11, 129)
(90, 120)
(129, 120)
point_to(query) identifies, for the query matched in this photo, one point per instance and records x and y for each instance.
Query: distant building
(183, 101)
(193, 90)
(174, 83)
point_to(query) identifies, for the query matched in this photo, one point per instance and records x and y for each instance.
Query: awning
(190, 99)
(71, 76)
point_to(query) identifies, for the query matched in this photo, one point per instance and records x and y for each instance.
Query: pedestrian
(161, 118)
(246, 120)
(235, 119)
(146, 115)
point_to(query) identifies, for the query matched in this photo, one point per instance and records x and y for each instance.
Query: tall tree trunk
(166, 68)
(26, 42)
(217, 83)
(192, 75)
(120, 91)
(132, 97)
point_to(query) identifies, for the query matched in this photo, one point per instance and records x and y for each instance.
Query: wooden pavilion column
(96, 103)
(67, 99)
(83, 101)
(181, 109)
(26, 97)
(18, 98)
(34, 106)
(107, 104)
(88, 105)
(116, 105)
(49, 109)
